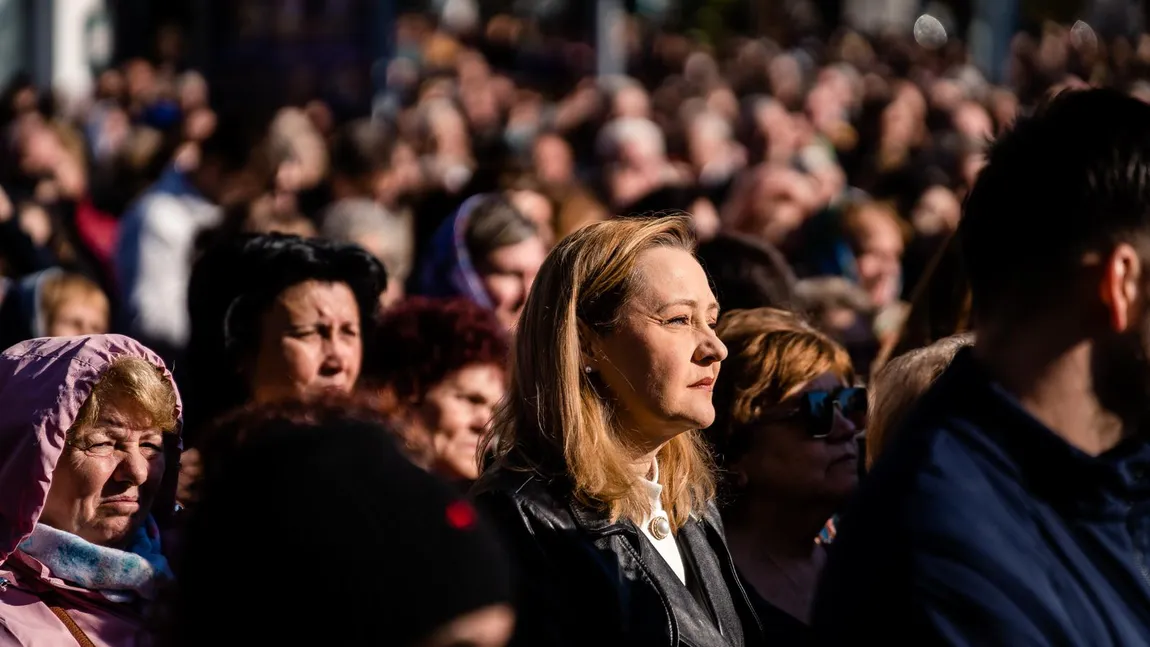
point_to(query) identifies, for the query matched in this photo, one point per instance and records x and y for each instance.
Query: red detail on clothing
(99, 232)
(460, 515)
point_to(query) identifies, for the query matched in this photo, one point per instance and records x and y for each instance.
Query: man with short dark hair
(1013, 508)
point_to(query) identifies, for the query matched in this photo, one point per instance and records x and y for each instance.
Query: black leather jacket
(586, 581)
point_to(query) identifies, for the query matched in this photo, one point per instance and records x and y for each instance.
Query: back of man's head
(1071, 179)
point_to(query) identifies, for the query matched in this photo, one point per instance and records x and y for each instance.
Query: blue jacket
(980, 526)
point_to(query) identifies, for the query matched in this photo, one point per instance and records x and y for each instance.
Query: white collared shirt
(668, 548)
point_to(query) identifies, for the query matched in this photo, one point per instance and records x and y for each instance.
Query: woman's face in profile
(455, 414)
(661, 359)
(310, 343)
(786, 460)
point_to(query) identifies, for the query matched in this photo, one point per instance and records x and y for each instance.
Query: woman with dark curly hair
(443, 363)
(277, 317)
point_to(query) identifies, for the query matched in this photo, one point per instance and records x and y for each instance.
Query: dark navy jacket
(980, 526)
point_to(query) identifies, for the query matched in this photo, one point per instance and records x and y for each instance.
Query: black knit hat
(322, 532)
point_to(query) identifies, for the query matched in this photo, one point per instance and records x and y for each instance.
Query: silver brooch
(660, 528)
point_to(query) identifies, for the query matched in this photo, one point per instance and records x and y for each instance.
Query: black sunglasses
(817, 409)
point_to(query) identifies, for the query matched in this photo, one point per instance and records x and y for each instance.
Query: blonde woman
(598, 476)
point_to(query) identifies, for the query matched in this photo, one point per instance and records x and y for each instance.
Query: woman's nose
(843, 428)
(133, 468)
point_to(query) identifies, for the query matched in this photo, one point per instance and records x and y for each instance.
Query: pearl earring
(587, 369)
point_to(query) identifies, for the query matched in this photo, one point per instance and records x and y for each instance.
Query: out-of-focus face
(937, 211)
(77, 317)
(455, 414)
(107, 477)
(538, 210)
(785, 460)
(783, 200)
(310, 343)
(632, 102)
(879, 259)
(972, 121)
(507, 275)
(554, 163)
(660, 361)
(487, 627)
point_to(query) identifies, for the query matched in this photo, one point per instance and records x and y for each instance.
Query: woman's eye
(680, 321)
(101, 449)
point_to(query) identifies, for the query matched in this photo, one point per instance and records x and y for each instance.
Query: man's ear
(1121, 286)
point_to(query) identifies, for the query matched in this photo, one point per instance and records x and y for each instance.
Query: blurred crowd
(392, 253)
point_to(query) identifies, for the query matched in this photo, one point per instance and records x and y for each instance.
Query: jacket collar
(1051, 467)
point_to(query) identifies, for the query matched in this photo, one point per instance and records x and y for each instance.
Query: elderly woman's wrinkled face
(785, 460)
(310, 343)
(661, 359)
(455, 414)
(107, 477)
(507, 275)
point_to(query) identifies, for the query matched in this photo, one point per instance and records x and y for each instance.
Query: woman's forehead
(668, 275)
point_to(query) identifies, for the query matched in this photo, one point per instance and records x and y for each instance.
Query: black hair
(229, 145)
(275, 262)
(361, 148)
(1072, 178)
(234, 283)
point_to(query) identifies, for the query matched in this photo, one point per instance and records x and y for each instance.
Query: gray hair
(388, 236)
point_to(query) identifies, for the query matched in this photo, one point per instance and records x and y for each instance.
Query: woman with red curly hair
(442, 363)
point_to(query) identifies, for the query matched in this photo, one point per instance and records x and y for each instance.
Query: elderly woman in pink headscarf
(89, 440)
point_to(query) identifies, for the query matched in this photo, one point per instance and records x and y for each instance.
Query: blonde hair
(553, 420)
(900, 383)
(772, 355)
(63, 288)
(137, 382)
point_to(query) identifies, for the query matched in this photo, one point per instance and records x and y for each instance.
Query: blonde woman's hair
(135, 382)
(772, 355)
(555, 420)
(900, 383)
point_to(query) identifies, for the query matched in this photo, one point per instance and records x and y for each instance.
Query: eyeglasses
(817, 409)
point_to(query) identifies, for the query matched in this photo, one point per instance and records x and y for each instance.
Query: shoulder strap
(73, 628)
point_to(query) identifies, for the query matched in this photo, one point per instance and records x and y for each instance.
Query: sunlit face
(310, 343)
(879, 260)
(488, 627)
(538, 210)
(107, 477)
(508, 274)
(661, 359)
(79, 317)
(455, 414)
(784, 460)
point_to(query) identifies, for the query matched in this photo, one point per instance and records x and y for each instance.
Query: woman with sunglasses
(788, 417)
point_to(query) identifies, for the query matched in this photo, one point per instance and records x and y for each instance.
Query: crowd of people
(761, 344)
